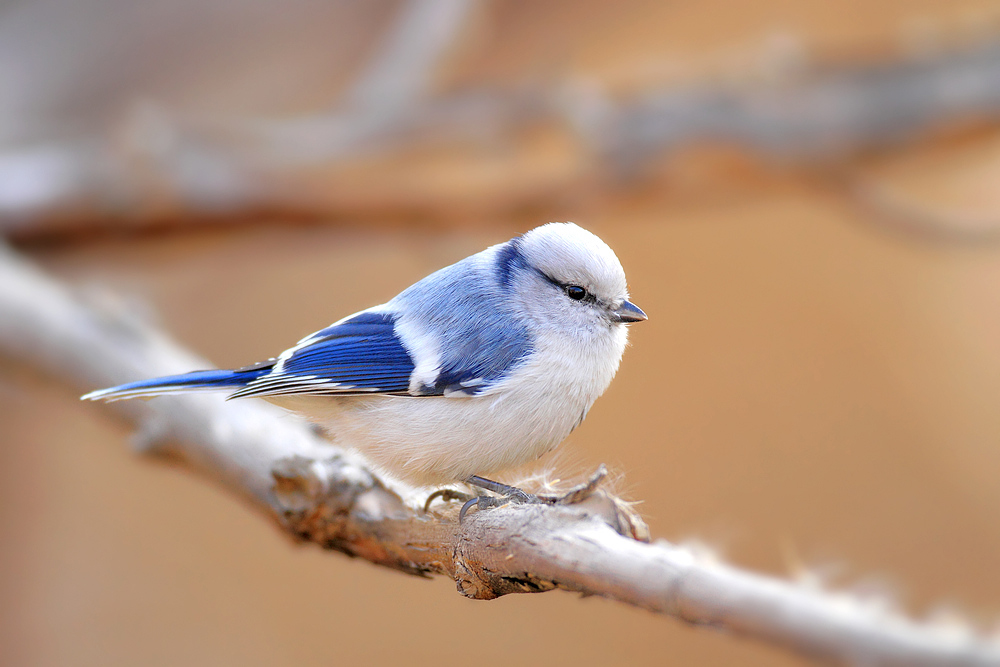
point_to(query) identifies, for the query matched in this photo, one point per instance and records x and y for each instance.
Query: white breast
(434, 440)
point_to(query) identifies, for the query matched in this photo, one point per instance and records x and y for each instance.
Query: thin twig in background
(884, 206)
(404, 65)
(319, 493)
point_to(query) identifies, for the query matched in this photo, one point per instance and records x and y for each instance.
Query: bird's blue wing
(479, 337)
(475, 359)
(359, 355)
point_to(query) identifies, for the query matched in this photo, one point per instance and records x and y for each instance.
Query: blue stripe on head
(509, 259)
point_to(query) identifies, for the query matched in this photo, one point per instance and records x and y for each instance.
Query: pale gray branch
(817, 115)
(163, 165)
(586, 543)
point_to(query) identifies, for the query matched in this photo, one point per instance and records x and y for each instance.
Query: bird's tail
(173, 384)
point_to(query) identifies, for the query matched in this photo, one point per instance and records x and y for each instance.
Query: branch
(821, 114)
(585, 543)
(163, 166)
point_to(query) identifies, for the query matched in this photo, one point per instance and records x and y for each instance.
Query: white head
(570, 279)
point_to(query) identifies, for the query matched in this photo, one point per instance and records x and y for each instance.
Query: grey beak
(628, 312)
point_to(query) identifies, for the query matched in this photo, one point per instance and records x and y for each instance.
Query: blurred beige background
(816, 389)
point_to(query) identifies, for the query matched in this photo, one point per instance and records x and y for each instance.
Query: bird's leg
(510, 494)
(513, 494)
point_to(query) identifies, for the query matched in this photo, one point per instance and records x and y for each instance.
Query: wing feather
(358, 355)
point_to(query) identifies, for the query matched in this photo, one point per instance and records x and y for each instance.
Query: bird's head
(567, 277)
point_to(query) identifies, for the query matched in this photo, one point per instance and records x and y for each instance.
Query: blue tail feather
(195, 381)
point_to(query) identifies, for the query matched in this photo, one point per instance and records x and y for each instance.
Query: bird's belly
(435, 440)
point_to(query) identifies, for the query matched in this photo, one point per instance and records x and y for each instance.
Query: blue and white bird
(482, 366)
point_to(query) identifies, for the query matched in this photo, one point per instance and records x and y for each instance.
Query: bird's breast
(442, 439)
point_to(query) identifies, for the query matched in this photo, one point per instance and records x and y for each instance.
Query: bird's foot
(511, 494)
(446, 495)
(507, 494)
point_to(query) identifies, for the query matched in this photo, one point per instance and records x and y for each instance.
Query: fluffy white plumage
(484, 365)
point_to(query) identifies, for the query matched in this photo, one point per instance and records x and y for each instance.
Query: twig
(409, 55)
(322, 494)
(880, 204)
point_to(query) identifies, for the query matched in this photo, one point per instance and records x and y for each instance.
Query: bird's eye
(575, 292)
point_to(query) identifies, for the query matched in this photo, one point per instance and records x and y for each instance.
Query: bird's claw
(489, 502)
(447, 495)
(481, 503)
(511, 494)
(507, 494)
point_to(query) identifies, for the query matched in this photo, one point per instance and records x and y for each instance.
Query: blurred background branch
(154, 161)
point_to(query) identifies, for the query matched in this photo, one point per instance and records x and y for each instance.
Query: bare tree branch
(585, 543)
(820, 114)
(165, 166)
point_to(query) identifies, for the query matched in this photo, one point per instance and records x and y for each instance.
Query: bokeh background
(804, 196)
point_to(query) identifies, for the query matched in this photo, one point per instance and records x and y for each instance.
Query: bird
(483, 365)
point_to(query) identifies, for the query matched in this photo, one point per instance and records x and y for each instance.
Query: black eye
(575, 292)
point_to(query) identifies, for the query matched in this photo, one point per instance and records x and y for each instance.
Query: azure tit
(479, 367)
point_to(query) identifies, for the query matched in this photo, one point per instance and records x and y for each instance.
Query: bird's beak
(628, 312)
